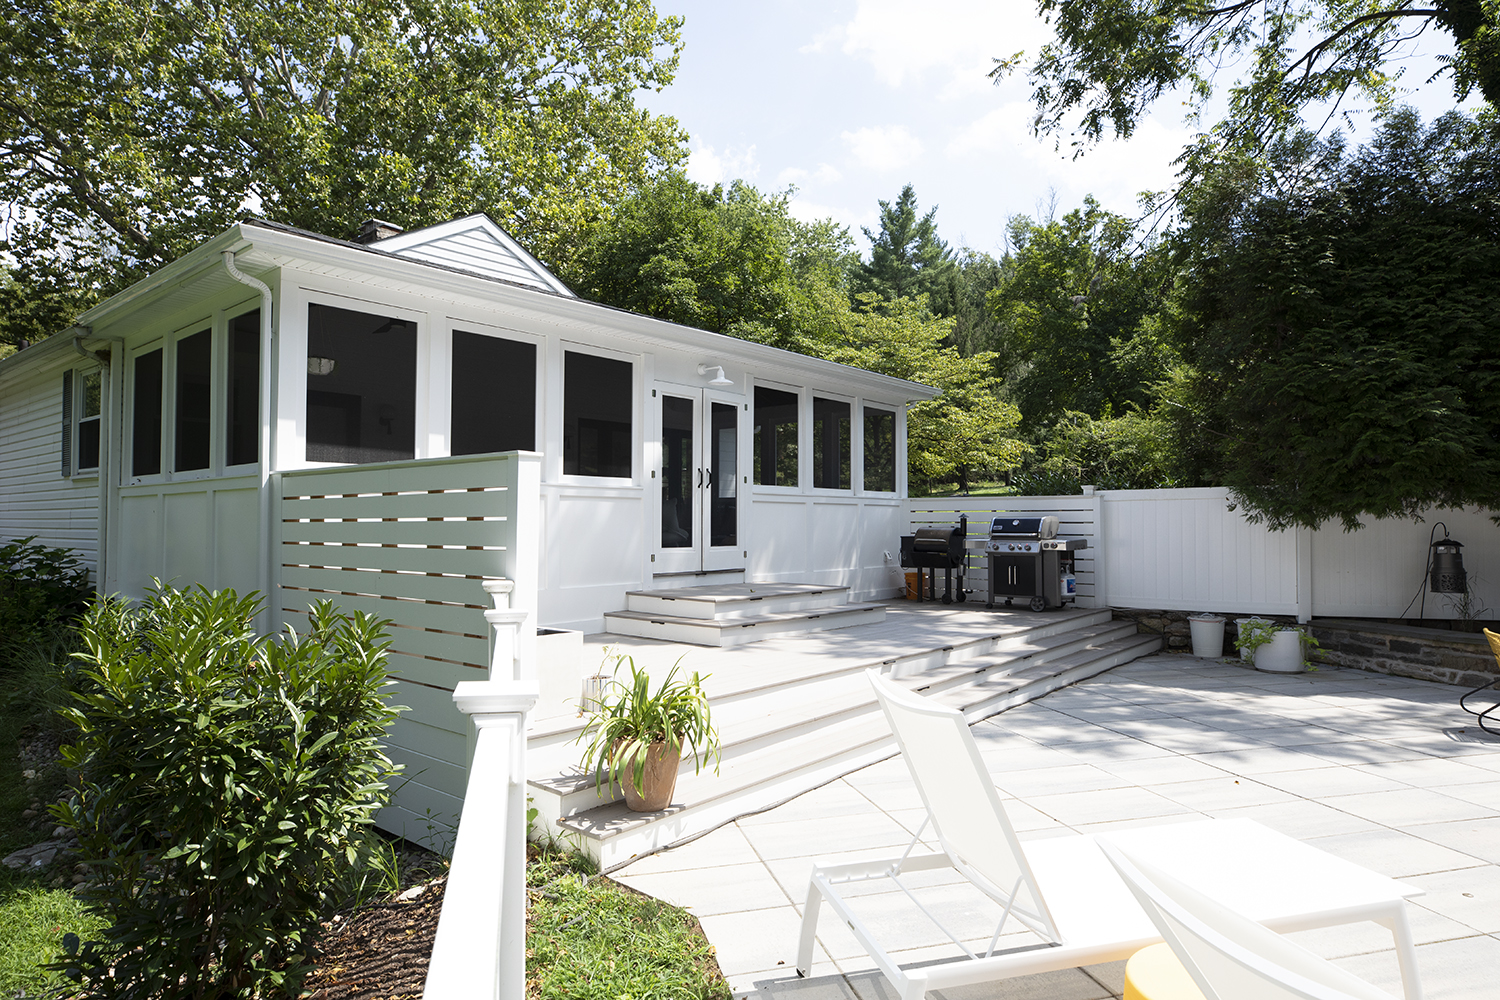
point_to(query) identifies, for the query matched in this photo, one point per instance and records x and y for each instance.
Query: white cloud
(956, 38)
(826, 173)
(707, 165)
(883, 149)
(1007, 127)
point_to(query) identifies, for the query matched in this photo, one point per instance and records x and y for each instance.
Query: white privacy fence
(1193, 550)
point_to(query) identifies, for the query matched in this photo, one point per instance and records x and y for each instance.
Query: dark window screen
(494, 395)
(775, 437)
(880, 450)
(596, 416)
(361, 386)
(243, 405)
(145, 422)
(191, 429)
(830, 444)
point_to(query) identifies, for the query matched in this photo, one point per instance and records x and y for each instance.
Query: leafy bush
(40, 586)
(223, 782)
(622, 728)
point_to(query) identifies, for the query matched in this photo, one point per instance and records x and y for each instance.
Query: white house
(393, 423)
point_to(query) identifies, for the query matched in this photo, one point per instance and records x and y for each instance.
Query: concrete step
(733, 631)
(817, 743)
(728, 602)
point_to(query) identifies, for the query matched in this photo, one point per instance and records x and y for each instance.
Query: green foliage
(134, 131)
(965, 433)
(589, 937)
(631, 717)
(730, 260)
(1112, 59)
(41, 586)
(223, 782)
(1135, 451)
(1340, 321)
(1082, 305)
(908, 260)
(33, 922)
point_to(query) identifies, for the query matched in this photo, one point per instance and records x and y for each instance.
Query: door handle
(700, 476)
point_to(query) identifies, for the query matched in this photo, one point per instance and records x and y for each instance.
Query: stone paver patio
(1379, 770)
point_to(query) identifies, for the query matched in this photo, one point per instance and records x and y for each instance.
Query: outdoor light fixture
(1448, 576)
(718, 379)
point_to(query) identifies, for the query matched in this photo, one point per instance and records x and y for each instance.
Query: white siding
(35, 498)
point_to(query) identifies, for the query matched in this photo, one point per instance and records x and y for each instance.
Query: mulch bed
(380, 951)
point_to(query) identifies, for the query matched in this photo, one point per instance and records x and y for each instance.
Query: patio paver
(1358, 764)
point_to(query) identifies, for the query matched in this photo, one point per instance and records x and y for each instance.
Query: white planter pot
(1208, 635)
(1239, 632)
(1283, 654)
(559, 657)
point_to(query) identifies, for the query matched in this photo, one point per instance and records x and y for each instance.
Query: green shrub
(40, 586)
(223, 782)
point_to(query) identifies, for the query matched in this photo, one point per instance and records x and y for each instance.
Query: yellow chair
(1154, 973)
(1484, 714)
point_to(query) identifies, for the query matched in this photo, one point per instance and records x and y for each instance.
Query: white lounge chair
(1230, 956)
(1063, 890)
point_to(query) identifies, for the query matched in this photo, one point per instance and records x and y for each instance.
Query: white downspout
(265, 577)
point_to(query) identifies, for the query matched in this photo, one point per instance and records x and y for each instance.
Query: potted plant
(1274, 647)
(636, 736)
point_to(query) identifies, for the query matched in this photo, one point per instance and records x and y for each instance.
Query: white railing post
(480, 947)
(506, 647)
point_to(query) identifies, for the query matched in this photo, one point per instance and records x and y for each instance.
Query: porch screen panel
(830, 444)
(597, 408)
(361, 386)
(494, 395)
(676, 472)
(243, 405)
(775, 437)
(880, 450)
(145, 413)
(193, 408)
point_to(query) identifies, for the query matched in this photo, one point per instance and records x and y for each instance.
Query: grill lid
(1024, 527)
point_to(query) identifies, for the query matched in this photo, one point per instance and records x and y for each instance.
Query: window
(775, 437)
(597, 408)
(145, 423)
(361, 386)
(494, 395)
(880, 450)
(242, 408)
(830, 444)
(80, 421)
(194, 412)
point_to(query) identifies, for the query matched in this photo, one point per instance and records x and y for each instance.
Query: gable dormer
(474, 244)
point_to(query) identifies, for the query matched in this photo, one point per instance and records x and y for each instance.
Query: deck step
(727, 602)
(779, 743)
(746, 628)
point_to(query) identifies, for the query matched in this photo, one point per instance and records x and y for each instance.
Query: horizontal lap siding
(412, 543)
(35, 499)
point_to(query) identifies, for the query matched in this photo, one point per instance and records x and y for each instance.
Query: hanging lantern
(1448, 576)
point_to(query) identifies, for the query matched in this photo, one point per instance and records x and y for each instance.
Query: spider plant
(631, 718)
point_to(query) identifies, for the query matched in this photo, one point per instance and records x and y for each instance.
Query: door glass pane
(775, 437)
(596, 416)
(676, 472)
(723, 500)
(145, 413)
(361, 386)
(194, 368)
(494, 394)
(880, 450)
(830, 444)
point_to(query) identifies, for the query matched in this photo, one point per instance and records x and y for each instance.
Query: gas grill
(933, 549)
(1028, 560)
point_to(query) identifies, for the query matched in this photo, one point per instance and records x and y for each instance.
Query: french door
(700, 480)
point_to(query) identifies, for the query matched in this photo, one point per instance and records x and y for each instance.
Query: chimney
(374, 230)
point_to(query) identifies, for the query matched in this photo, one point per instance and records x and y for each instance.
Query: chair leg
(1406, 953)
(809, 929)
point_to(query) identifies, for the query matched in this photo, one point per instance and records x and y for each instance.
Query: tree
(1341, 318)
(1082, 306)
(907, 259)
(730, 260)
(1112, 59)
(133, 131)
(961, 435)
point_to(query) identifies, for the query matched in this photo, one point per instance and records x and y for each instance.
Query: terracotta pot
(657, 784)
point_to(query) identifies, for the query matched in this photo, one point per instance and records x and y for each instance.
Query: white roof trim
(438, 244)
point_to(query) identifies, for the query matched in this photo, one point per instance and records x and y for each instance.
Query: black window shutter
(67, 424)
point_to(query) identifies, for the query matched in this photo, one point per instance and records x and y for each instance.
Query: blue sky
(851, 100)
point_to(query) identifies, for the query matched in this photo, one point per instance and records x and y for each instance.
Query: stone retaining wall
(1460, 658)
(1173, 627)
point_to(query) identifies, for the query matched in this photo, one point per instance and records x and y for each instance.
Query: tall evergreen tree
(908, 259)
